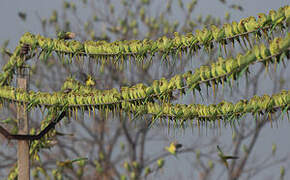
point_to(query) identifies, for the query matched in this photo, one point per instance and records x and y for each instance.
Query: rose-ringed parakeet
(173, 148)
(224, 158)
(277, 19)
(68, 163)
(66, 35)
(90, 81)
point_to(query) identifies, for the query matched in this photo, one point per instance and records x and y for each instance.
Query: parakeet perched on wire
(163, 85)
(217, 33)
(263, 19)
(66, 35)
(173, 147)
(277, 18)
(274, 46)
(251, 24)
(224, 158)
(90, 81)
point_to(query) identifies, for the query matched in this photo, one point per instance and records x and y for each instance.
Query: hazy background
(12, 28)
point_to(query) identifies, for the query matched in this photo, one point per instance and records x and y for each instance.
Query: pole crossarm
(50, 126)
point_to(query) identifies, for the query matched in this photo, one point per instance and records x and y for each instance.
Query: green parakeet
(257, 52)
(228, 30)
(68, 163)
(164, 43)
(274, 46)
(147, 171)
(277, 18)
(173, 148)
(141, 90)
(156, 87)
(205, 72)
(241, 26)
(251, 24)
(235, 28)
(198, 35)
(66, 35)
(263, 19)
(194, 78)
(160, 163)
(224, 158)
(287, 14)
(221, 66)
(206, 35)
(90, 81)
(127, 166)
(163, 84)
(282, 172)
(218, 34)
(264, 51)
(125, 93)
(177, 40)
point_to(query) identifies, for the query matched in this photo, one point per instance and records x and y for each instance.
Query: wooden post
(23, 128)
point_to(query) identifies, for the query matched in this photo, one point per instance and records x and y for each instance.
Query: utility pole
(23, 163)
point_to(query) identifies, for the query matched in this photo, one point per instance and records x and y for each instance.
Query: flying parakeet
(68, 163)
(224, 158)
(22, 15)
(173, 147)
